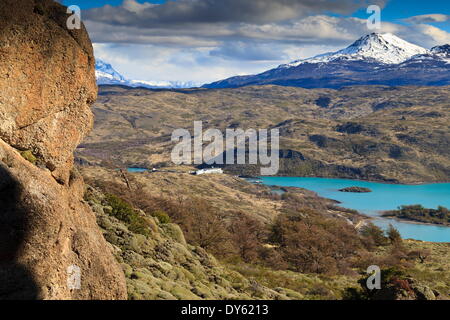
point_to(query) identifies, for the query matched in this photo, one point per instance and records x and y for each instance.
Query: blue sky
(207, 40)
(396, 10)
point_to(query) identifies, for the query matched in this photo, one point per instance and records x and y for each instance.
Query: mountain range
(375, 59)
(107, 75)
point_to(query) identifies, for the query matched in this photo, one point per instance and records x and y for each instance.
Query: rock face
(47, 85)
(47, 81)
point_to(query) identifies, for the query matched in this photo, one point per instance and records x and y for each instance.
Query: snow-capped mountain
(107, 75)
(383, 48)
(437, 56)
(442, 52)
(383, 59)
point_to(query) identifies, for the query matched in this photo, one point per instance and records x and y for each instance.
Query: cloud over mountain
(213, 39)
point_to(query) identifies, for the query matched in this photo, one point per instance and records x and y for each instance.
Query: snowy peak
(106, 74)
(382, 48)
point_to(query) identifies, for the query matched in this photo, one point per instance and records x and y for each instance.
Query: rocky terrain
(162, 264)
(394, 134)
(48, 85)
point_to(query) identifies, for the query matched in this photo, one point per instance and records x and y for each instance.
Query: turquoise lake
(137, 170)
(383, 197)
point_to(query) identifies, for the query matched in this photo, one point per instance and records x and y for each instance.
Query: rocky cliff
(47, 85)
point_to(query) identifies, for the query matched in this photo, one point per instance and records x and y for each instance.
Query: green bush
(29, 156)
(123, 211)
(392, 276)
(162, 216)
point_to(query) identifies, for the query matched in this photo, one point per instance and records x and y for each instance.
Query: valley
(376, 133)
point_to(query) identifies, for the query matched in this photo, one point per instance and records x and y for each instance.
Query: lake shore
(404, 220)
(385, 197)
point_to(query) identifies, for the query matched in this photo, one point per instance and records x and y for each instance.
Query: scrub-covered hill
(396, 134)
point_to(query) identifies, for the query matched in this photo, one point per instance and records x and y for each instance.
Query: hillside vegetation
(189, 245)
(394, 134)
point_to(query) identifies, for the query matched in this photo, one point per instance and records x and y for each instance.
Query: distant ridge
(382, 59)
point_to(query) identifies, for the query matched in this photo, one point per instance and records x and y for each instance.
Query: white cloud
(136, 7)
(431, 36)
(428, 18)
(156, 63)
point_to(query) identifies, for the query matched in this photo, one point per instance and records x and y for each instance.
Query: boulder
(50, 244)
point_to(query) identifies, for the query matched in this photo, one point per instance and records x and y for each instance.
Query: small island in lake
(418, 213)
(356, 190)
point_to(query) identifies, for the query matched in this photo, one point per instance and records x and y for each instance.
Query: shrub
(161, 216)
(392, 277)
(312, 243)
(393, 235)
(374, 234)
(123, 211)
(247, 234)
(29, 156)
(201, 223)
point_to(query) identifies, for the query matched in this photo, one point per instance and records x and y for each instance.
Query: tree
(374, 233)
(314, 243)
(394, 235)
(247, 236)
